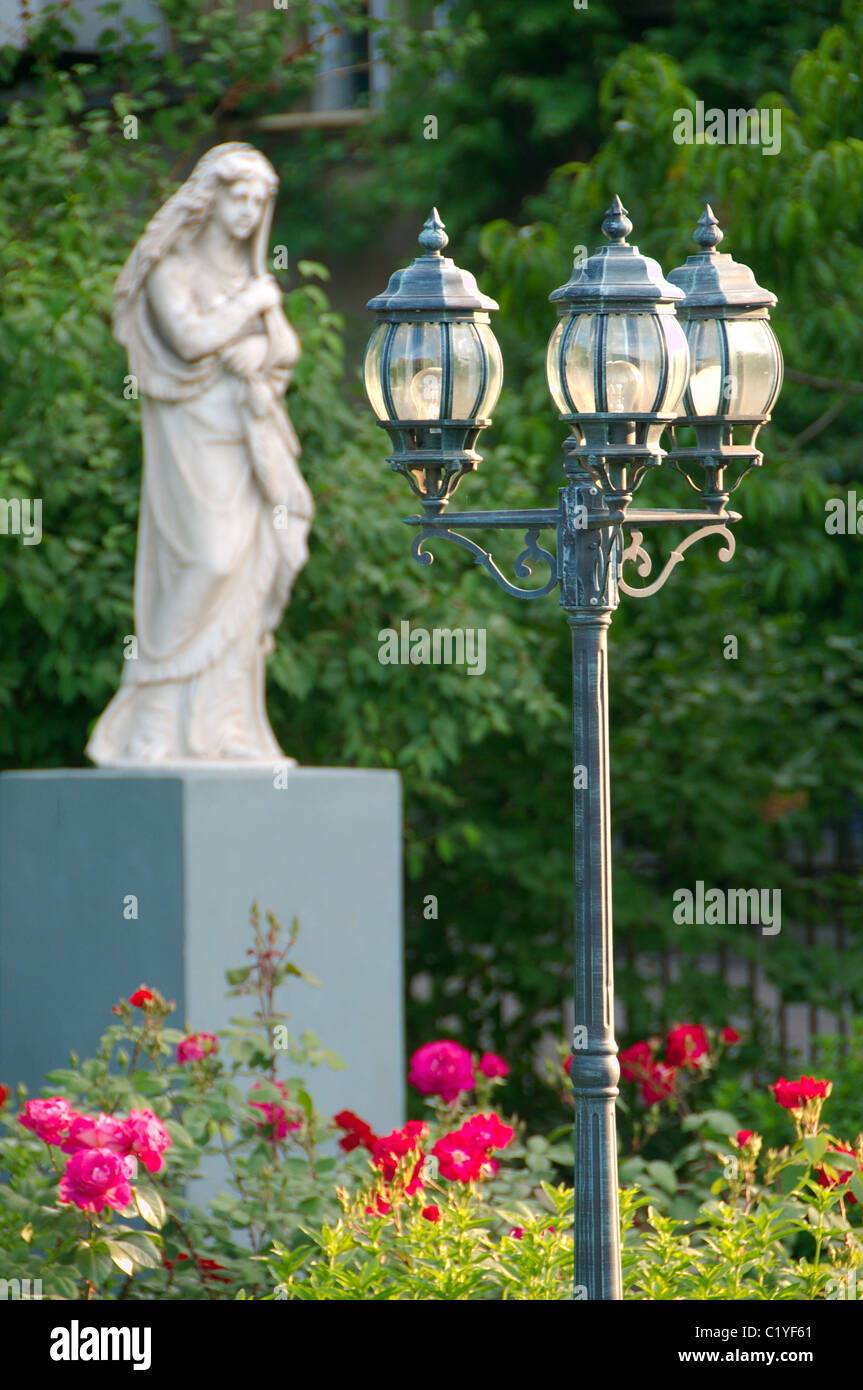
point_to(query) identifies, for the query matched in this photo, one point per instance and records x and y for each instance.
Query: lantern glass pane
(633, 363)
(753, 365)
(705, 376)
(416, 371)
(467, 360)
(578, 364)
(552, 367)
(494, 370)
(678, 364)
(372, 370)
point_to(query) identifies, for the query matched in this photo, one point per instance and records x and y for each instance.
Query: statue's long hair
(180, 218)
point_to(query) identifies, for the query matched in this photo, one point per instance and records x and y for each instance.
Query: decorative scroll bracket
(532, 554)
(636, 553)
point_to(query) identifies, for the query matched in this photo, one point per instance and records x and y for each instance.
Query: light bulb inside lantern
(623, 386)
(705, 388)
(425, 393)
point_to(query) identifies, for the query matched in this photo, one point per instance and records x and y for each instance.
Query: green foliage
(722, 768)
(513, 88)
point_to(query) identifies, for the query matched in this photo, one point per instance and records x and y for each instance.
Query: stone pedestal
(189, 852)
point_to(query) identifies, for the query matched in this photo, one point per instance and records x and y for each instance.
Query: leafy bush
(460, 1205)
(722, 769)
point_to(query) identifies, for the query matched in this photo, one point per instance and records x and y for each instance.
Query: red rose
(389, 1151)
(793, 1095)
(358, 1133)
(442, 1069)
(486, 1132)
(729, 1035)
(658, 1084)
(5, 1093)
(567, 1066)
(141, 997)
(685, 1045)
(742, 1138)
(517, 1232)
(430, 1213)
(635, 1061)
(458, 1160)
(208, 1270)
(491, 1065)
(380, 1207)
(843, 1177)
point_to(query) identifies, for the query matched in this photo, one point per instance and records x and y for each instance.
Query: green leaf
(93, 1261)
(664, 1176)
(179, 1134)
(121, 1257)
(720, 1120)
(815, 1146)
(149, 1202)
(137, 1249)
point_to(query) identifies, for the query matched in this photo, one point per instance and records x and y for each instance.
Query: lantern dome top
(713, 280)
(617, 276)
(432, 283)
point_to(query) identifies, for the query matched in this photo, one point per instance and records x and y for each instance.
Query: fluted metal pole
(588, 592)
(595, 1070)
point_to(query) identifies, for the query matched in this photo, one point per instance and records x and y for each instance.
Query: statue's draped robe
(222, 532)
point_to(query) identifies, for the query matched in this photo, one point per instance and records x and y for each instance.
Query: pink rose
(97, 1178)
(491, 1065)
(196, 1047)
(148, 1139)
(278, 1120)
(98, 1132)
(442, 1069)
(48, 1119)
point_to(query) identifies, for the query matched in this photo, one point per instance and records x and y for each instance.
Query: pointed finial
(708, 233)
(433, 238)
(616, 224)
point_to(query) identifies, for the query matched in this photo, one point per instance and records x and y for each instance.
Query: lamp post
(633, 354)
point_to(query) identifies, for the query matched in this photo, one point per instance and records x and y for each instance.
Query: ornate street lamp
(621, 369)
(433, 369)
(617, 362)
(736, 367)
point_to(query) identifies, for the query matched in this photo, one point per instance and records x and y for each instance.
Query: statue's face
(238, 206)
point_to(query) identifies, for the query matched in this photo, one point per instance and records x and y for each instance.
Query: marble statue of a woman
(225, 512)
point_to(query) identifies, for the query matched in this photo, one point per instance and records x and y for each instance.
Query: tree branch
(824, 383)
(821, 423)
